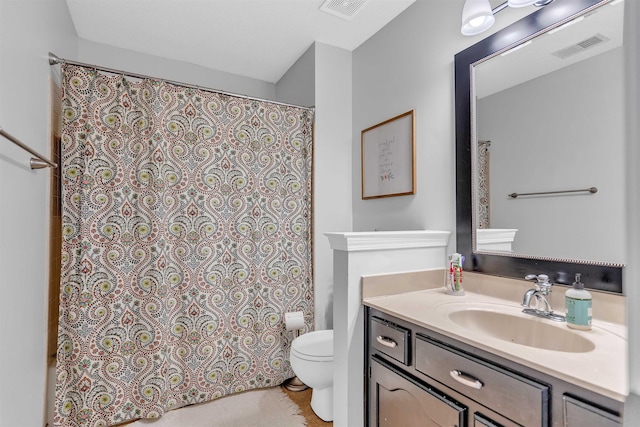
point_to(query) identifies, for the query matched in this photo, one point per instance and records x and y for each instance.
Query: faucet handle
(542, 282)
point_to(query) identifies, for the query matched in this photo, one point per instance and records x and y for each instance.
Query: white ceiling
(253, 38)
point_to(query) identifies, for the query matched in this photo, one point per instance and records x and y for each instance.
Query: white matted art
(388, 158)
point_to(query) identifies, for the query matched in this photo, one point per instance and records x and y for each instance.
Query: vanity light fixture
(477, 15)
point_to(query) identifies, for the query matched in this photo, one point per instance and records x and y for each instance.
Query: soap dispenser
(578, 305)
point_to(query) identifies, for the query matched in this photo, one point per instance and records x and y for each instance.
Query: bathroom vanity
(430, 363)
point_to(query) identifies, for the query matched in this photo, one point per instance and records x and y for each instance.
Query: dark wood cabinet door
(400, 400)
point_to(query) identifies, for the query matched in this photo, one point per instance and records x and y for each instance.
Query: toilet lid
(318, 344)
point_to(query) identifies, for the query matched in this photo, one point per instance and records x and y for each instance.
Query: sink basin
(515, 328)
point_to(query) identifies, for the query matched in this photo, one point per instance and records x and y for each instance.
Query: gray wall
(178, 71)
(332, 172)
(560, 131)
(409, 65)
(297, 85)
(28, 30)
(322, 77)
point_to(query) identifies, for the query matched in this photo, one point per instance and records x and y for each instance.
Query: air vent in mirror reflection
(580, 46)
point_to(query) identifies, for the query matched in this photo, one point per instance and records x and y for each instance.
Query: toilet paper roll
(294, 320)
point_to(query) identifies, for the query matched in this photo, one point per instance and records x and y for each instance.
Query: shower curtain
(484, 192)
(186, 237)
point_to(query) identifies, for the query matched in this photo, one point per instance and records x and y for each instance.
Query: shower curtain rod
(37, 162)
(55, 60)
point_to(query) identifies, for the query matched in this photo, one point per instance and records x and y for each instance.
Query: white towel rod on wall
(37, 162)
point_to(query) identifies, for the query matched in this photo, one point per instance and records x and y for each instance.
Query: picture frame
(388, 158)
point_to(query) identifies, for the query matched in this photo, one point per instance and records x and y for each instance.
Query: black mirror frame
(595, 275)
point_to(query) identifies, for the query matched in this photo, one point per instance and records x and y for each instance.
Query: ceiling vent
(581, 46)
(345, 9)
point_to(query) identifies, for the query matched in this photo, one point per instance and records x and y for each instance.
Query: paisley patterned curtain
(186, 237)
(484, 193)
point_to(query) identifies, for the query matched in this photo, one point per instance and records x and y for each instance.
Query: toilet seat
(314, 346)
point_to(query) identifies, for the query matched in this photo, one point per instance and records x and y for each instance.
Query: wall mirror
(540, 146)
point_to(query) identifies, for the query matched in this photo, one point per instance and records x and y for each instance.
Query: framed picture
(388, 158)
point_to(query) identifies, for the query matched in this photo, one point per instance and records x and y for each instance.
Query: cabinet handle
(386, 341)
(466, 379)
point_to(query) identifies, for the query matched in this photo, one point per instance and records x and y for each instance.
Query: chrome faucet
(540, 293)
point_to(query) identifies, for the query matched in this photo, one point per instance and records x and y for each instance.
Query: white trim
(381, 240)
(495, 235)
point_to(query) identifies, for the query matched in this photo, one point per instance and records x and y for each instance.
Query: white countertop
(602, 370)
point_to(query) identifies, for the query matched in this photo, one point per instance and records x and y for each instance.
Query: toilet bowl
(312, 361)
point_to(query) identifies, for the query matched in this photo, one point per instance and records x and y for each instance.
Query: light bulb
(476, 22)
(477, 17)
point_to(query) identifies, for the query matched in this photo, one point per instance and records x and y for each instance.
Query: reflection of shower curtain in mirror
(484, 196)
(186, 237)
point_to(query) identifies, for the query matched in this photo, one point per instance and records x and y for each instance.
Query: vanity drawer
(390, 339)
(518, 398)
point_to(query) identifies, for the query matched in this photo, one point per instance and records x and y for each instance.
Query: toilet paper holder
(294, 321)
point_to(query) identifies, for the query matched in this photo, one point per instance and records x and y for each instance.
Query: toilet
(312, 361)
